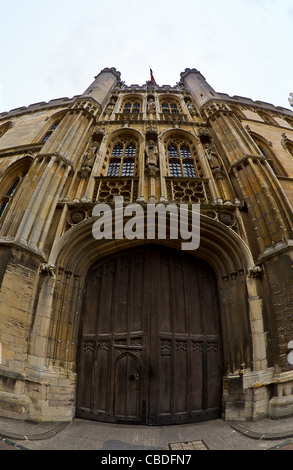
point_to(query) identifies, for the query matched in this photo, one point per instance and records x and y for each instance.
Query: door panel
(150, 339)
(127, 387)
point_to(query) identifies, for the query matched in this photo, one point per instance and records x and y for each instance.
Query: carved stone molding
(107, 188)
(186, 190)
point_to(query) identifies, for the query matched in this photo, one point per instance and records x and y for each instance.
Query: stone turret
(102, 85)
(196, 83)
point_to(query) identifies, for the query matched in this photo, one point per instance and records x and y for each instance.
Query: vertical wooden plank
(162, 289)
(101, 376)
(121, 292)
(92, 299)
(107, 288)
(180, 376)
(165, 376)
(120, 387)
(85, 379)
(195, 377)
(137, 292)
(179, 308)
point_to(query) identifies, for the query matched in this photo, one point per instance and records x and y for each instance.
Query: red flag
(152, 77)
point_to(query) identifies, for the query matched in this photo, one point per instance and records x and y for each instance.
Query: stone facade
(182, 144)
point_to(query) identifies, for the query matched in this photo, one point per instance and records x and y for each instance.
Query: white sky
(53, 49)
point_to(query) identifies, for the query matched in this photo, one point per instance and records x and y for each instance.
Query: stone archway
(54, 336)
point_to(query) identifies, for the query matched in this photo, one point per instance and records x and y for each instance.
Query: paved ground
(90, 435)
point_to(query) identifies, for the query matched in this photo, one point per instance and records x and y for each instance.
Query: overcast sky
(53, 49)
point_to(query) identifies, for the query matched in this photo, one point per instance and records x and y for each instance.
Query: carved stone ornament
(76, 216)
(48, 269)
(90, 157)
(285, 141)
(151, 154)
(151, 171)
(255, 271)
(151, 108)
(226, 218)
(85, 172)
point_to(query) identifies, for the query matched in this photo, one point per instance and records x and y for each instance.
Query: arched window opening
(130, 150)
(117, 151)
(127, 108)
(169, 108)
(185, 151)
(172, 151)
(122, 160)
(136, 108)
(132, 106)
(181, 161)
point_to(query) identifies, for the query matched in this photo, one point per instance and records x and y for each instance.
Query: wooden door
(150, 339)
(127, 388)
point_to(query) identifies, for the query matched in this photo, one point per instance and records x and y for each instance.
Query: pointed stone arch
(219, 246)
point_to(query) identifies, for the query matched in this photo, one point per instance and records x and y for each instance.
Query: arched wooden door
(150, 342)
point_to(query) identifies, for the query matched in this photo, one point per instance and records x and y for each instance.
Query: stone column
(258, 334)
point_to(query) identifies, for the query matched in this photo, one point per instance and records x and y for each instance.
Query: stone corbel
(285, 141)
(152, 171)
(85, 172)
(255, 272)
(47, 269)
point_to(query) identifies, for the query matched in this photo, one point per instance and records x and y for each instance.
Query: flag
(152, 77)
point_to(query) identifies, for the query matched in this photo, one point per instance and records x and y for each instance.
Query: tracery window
(169, 108)
(132, 106)
(181, 161)
(122, 160)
